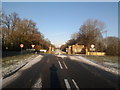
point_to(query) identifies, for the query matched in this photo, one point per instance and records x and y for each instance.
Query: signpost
(21, 45)
(92, 49)
(33, 46)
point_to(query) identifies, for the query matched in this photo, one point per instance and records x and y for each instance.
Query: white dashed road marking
(67, 84)
(65, 65)
(75, 84)
(60, 65)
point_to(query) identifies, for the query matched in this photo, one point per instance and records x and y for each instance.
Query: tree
(9, 23)
(75, 36)
(90, 32)
(69, 42)
(113, 45)
(16, 31)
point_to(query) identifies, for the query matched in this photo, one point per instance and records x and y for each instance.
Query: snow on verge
(87, 61)
(62, 56)
(11, 78)
(13, 68)
(34, 61)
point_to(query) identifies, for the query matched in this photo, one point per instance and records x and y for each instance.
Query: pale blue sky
(57, 21)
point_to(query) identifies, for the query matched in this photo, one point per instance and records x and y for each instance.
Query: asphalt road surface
(63, 73)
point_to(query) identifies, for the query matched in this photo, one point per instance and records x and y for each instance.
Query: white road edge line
(38, 84)
(75, 84)
(65, 65)
(60, 65)
(67, 84)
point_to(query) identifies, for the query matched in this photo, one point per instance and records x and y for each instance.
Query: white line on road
(38, 84)
(75, 84)
(67, 84)
(60, 65)
(48, 60)
(65, 65)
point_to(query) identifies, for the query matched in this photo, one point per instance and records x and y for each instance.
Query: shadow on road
(54, 77)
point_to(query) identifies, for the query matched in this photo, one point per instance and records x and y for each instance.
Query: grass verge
(11, 60)
(102, 59)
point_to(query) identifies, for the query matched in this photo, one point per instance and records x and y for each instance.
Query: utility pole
(106, 38)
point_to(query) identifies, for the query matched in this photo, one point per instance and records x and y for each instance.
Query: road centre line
(60, 65)
(75, 84)
(67, 84)
(65, 65)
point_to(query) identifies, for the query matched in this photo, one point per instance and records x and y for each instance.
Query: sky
(58, 20)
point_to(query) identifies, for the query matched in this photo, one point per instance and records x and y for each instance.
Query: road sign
(92, 49)
(21, 45)
(92, 46)
(33, 45)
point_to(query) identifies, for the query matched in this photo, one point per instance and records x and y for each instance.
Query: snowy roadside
(13, 68)
(31, 62)
(107, 66)
(62, 56)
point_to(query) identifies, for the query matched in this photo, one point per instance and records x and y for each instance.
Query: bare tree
(90, 32)
(75, 36)
(113, 45)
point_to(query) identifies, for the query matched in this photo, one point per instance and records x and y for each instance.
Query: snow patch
(62, 56)
(106, 67)
(32, 62)
(19, 64)
(111, 64)
(11, 78)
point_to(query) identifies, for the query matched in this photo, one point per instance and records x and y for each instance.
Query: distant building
(75, 49)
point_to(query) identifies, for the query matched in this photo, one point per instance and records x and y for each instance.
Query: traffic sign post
(21, 45)
(33, 46)
(92, 49)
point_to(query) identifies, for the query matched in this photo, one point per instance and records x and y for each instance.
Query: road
(57, 72)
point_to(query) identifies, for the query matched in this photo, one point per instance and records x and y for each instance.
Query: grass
(14, 61)
(101, 59)
(11, 60)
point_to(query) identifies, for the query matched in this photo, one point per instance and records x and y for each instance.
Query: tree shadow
(54, 77)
